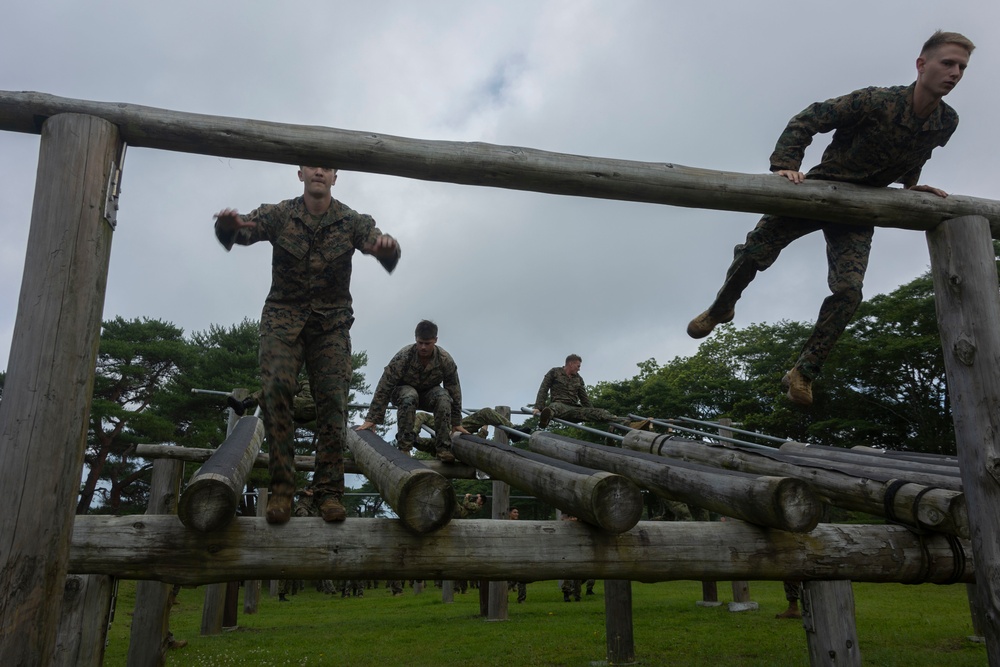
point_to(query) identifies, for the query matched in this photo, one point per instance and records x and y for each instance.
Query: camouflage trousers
(326, 353)
(578, 413)
(847, 251)
(436, 400)
(471, 423)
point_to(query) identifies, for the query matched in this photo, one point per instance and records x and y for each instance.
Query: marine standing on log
(881, 136)
(307, 318)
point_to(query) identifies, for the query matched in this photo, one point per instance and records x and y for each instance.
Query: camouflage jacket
(311, 262)
(569, 389)
(877, 139)
(406, 369)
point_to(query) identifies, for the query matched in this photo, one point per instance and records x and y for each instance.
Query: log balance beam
(161, 548)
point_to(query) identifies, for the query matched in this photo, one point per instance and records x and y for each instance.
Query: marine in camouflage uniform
(879, 139)
(423, 376)
(307, 318)
(568, 392)
(477, 423)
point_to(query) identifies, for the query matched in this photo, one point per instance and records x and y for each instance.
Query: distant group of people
(881, 136)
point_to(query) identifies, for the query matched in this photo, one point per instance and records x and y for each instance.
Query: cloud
(515, 279)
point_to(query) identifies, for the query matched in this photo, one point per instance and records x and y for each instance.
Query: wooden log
(778, 502)
(618, 622)
(252, 587)
(610, 502)
(155, 547)
(212, 495)
(899, 468)
(303, 463)
(50, 378)
(510, 167)
(150, 631)
(497, 608)
(448, 591)
(83, 625)
(213, 609)
(935, 509)
(741, 589)
(949, 481)
(829, 622)
(968, 314)
(423, 500)
(936, 459)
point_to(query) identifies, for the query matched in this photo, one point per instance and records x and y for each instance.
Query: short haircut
(425, 330)
(940, 38)
(574, 357)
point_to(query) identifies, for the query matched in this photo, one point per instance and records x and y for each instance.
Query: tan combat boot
(279, 504)
(799, 387)
(702, 325)
(332, 509)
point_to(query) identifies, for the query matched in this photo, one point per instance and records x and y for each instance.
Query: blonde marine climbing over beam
(881, 136)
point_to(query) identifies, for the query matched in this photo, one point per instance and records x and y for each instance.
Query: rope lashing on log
(603, 499)
(209, 501)
(423, 500)
(783, 503)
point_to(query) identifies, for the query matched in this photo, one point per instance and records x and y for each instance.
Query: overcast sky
(515, 280)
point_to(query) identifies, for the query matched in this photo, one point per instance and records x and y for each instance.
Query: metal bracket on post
(114, 188)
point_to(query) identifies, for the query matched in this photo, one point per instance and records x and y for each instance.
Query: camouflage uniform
(307, 318)
(411, 385)
(569, 398)
(473, 423)
(878, 140)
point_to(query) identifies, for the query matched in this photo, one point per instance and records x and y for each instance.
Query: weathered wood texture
(210, 499)
(159, 547)
(777, 502)
(968, 312)
(150, 623)
(935, 509)
(610, 502)
(828, 618)
(509, 167)
(213, 609)
(50, 379)
(497, 603)
(303, 463)
(83, 625)
(900, 468)
(618, 622)
(423, 500)
(252, 587)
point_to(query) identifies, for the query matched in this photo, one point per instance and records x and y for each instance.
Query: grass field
(899, 626)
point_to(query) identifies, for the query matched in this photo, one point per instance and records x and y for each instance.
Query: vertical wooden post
(963, 266)
(709, 594)
(976, 611)
(618, 621)
(447, 591)
(252, 587)
(741, 589)
(212, 609)
(828, 618)
(150, 623)
(50, 378)
(497, 605)
(83, 626)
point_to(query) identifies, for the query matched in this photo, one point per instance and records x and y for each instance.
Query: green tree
(136, 359)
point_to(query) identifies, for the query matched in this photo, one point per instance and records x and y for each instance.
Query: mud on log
(610, 502)
(784, 503)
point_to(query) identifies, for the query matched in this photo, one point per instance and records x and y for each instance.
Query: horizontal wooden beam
(511, 167)
(161, 548)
